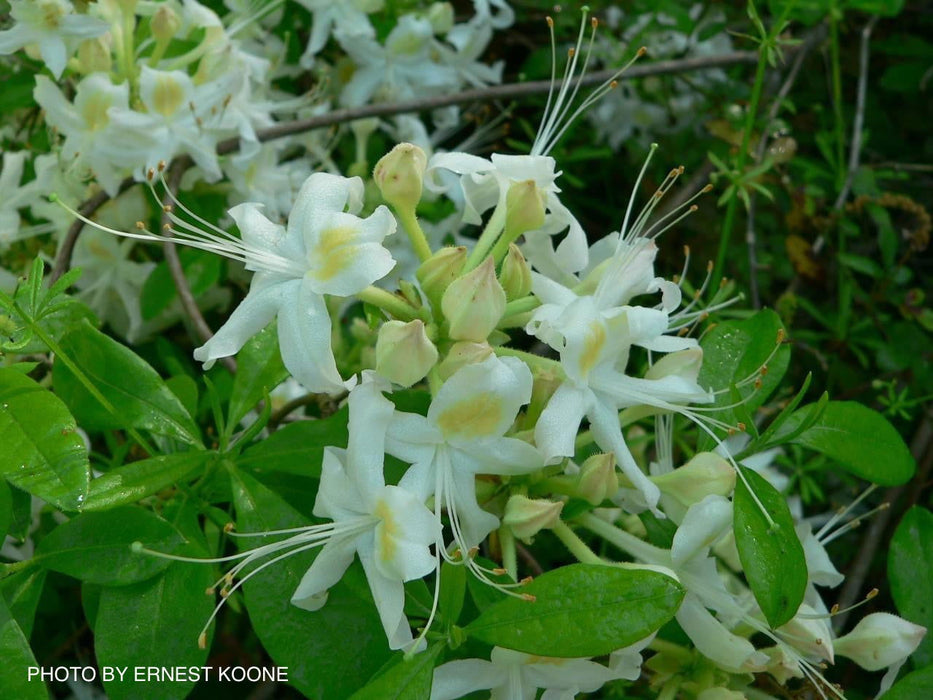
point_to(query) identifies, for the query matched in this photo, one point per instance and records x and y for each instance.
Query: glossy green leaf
(259, 371)
(96, 547)
(910, 561)
(581, 610)
(136, 480)
(297, 448)
(861, 440)
(139, 397)
(914, 686)
(186, 389)
(406, 679)
(453, 592)
(42, 453)
(202, 270)
(155, 623)
(17, 660)
(733, 352)
(771, 553)
(329, 652)
(21, 591)
(6, 509)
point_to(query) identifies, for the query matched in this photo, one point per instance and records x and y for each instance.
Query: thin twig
(921, 448)
(173, 262)
(63, 257)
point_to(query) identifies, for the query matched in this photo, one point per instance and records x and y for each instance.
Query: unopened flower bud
(683, 363)
(437, 272)
(399, 175)
(165, 23)
(526, 516)
(515, 275)
(525, 208)
(880, 640)
(461, 354)
(94, 55)
(441, 17)
(474, 303)
(707, 473)
(598, 478)
(404, 353)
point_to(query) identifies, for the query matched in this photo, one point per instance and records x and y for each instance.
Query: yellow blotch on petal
(386, 531)
(167, 96)
(333, 253)
(94, 111)
(592, 347)
(473, 417)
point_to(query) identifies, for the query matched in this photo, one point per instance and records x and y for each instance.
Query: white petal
(556, 429)
(733, 653)
(267, 295)
(403, 536)
(304, 341)
(370, 413)
(337, 497)
(326, 570)
(503, 456)
(704, 523)
(457, 679)
(53, 52)
(389, 596)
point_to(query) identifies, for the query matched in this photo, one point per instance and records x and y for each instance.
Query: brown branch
(340, 116)
(185, 296)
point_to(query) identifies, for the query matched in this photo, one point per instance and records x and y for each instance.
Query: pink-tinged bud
(707, 473)
(880, 640)
(598, 480)
(464, 353)
(400, 174)
(524, 208)
(526, 517)
(437, 272)
(515, 275)
(474, 303)
(404, 353)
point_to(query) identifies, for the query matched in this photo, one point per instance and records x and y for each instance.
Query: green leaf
(581, 610)
(259, 371)
(17, 660)
(42, 452)
(733, 352)
(6, 509)
(910, 559)
(139, 397)
(453, 592)
(298, 448)
(913, 686)
(329, 652)
(406, 679)
(202, 270)
(96, 547)
(134, 481)
(771, 554)
(22, 591)
(155, 623)
(186, 389)
(861, 440)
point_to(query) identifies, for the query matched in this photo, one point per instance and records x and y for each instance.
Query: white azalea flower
(348, 18)
(881, 640)
(512, 675)
(323, 250)
(53, 26)
(462, 436)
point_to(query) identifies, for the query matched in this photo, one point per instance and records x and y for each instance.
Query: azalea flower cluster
(131, 83)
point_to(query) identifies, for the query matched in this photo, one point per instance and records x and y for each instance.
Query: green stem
(839, 123)
(487, 237)
(509, 552)
(575, 545)
(521, 306)
(391, 303)
(501, 247)
(626, 541)
(535, 361)
(732, 207)
(415, 234)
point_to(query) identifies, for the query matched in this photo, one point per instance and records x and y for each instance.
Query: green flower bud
(94, 55)
(474, 303)
(165, 23)
(404, 353)
(441, 17)
(399, 175)
(515, 275)
(461, 354)
(437, 272)
(598, 478)
(707, 473)
(525, 207)
(526, 517)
